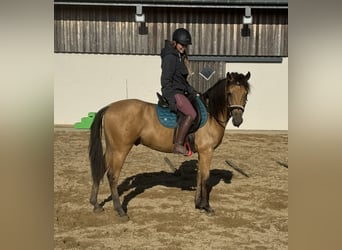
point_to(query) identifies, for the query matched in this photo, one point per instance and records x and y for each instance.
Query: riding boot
(184, 127)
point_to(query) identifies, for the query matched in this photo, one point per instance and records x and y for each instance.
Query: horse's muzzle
(237, 117)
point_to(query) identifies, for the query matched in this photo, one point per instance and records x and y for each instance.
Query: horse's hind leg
(116, 160)
(93, 198)
(95, 190)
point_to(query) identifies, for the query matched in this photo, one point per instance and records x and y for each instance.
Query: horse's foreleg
(203, 187)
(113, 175)
(198, 193)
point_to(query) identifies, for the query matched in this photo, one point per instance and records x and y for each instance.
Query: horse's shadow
(184, 178)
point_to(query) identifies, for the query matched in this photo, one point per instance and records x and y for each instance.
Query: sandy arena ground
(250, 212)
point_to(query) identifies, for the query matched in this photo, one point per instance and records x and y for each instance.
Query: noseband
(232, 107)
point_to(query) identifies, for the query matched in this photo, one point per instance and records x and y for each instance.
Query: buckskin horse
(133, 122)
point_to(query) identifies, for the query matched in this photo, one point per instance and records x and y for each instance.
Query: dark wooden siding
(201, 84)
(215, 32)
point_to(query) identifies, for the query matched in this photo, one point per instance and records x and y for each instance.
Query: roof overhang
(265, 4)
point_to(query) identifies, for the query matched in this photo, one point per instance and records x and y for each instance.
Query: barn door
(206, 74)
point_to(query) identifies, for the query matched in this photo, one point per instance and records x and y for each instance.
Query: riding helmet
(182, 36)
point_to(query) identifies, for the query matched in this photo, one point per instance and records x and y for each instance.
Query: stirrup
(186, 148)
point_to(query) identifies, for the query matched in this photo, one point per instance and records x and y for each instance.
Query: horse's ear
(248, 75)
(229, 76)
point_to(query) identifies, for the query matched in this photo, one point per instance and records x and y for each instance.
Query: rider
(175, 87)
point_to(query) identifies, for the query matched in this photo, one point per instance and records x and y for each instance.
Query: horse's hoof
(208, 210)
(208, 213)
(124, 218)
(121, 213)
(98, 209)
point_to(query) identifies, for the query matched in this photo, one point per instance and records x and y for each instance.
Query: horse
(132, 122)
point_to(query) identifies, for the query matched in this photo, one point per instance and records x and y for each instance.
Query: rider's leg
(184, 106)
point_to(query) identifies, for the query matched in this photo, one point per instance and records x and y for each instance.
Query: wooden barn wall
(215, 32)
(201, 84)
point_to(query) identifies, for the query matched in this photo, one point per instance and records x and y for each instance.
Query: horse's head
(237, 89)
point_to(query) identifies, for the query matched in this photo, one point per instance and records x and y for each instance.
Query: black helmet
(182, 36)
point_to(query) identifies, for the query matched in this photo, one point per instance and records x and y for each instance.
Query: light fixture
(247, 18)
(246, 21)
(139, 16)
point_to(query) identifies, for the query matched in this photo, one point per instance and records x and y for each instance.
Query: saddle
(171, 119)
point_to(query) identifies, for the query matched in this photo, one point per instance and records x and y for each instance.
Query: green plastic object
(85, 121)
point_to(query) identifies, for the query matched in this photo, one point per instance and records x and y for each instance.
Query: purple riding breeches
(184, 105)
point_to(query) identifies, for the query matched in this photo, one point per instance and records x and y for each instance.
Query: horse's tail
(96, 157)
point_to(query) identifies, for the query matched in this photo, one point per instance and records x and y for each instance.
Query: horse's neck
(221, 123)
(222, 120)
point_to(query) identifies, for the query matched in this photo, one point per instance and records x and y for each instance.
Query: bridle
(232, 107)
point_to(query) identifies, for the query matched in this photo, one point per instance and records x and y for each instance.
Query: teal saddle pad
(169, 119)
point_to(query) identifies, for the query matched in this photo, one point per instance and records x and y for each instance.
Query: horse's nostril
(237, 121)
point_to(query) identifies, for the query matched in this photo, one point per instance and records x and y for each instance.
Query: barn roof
(175, 3)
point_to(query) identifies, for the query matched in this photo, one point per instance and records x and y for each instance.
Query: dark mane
(215, 98)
